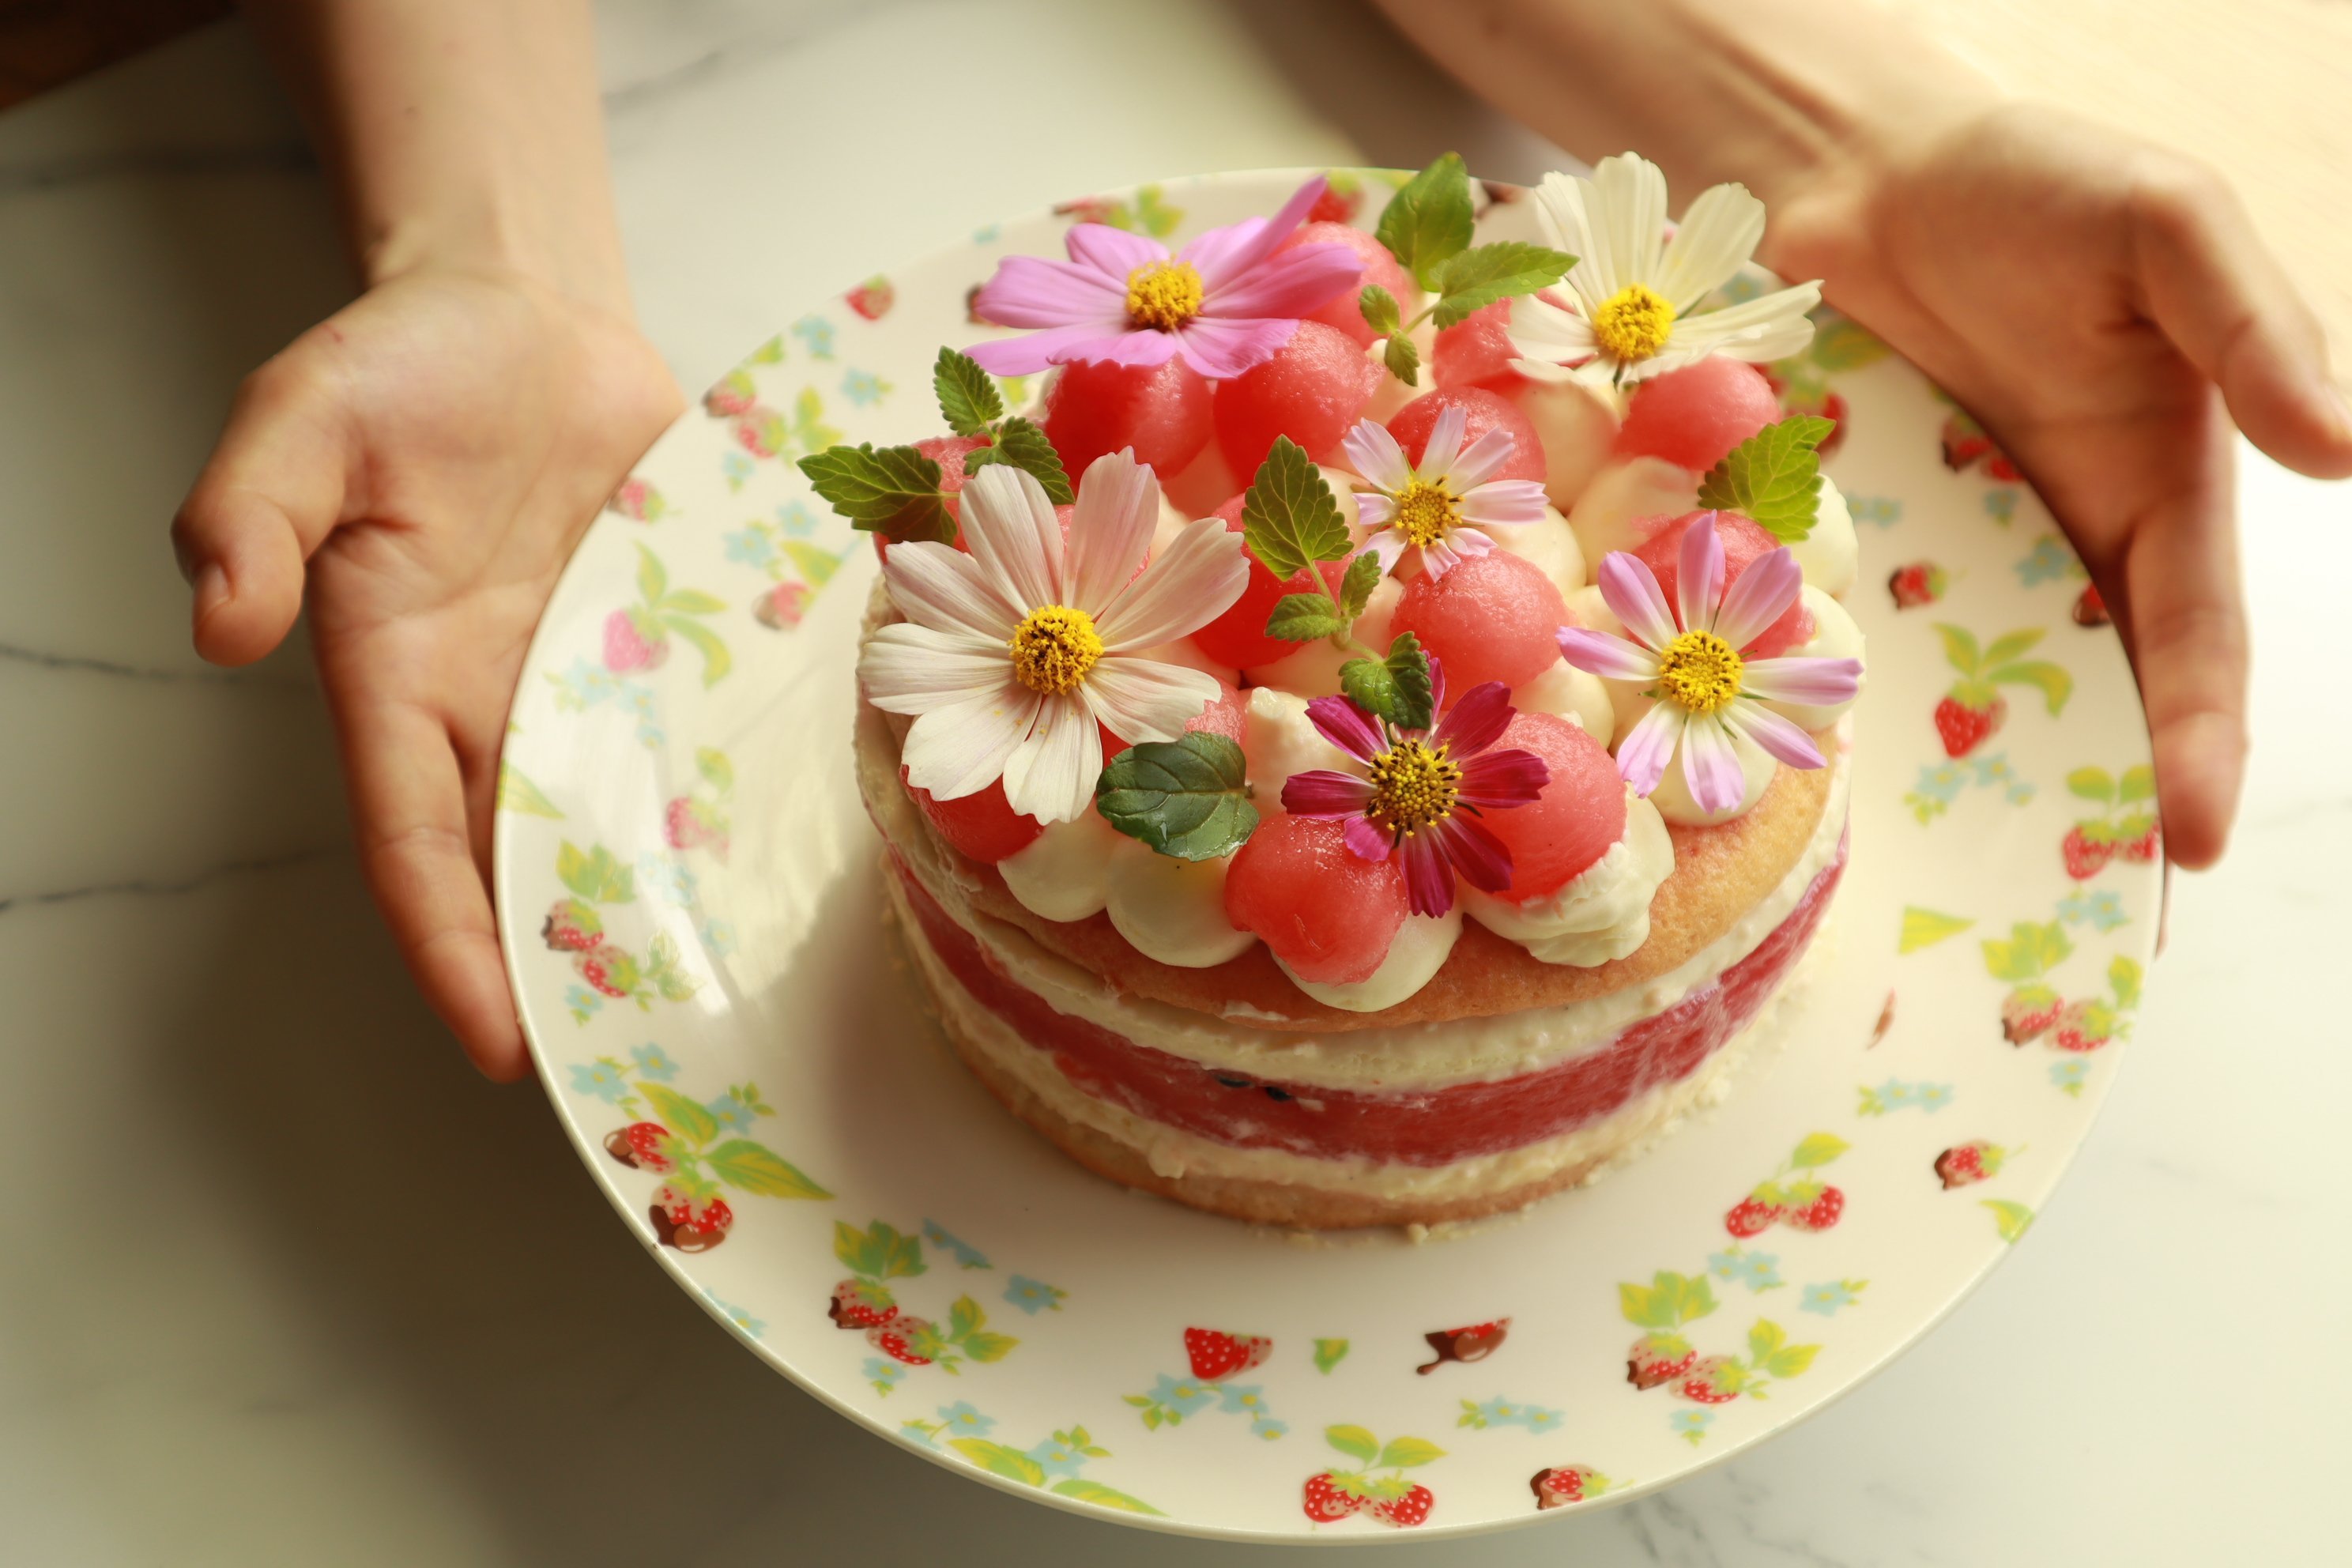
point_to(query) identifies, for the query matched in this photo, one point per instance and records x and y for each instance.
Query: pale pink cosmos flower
(1225, 303)
(1693, 660)
(1438, 505)
(1425, 790)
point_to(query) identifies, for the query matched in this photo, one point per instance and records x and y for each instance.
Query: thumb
(271, 492)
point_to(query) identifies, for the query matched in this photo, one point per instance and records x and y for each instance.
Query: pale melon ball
(1673, 796)
(1571, 693)
(1279, 740)
(1830, 554)
(1576, 423)
(1550, 543)
(1314, 668)
(1391, 394)
(1621, 496)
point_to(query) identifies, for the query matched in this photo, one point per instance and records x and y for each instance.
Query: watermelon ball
(1695, 414)
(947, 452)
(1580, 814)
(1327, 914)
(982, 825)
(1238, 636)
(1743, 542)
(1477, 350)
(1312, 390)
(1492, 618)
(1161, 411)
(1341, 309)
(1481, 410)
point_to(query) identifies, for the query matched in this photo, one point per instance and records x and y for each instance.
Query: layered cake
(1366, 744)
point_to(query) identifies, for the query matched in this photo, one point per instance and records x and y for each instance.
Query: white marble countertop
(280, 1281)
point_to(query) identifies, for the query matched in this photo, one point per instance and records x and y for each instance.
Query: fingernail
(212, 590)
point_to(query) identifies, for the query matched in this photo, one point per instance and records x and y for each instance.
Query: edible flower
(1436, 506)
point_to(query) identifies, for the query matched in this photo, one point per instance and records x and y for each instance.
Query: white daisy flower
(1636, 290)
(1437, 505)
(1010, 657)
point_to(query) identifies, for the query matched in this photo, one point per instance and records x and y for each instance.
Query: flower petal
(1513, 503)
(1643, 755)
(1110, 528)
(1763, 593)
(1010, 527)
(1698, 586)
(937, 587)
(1626, 210)
(1445, 444)
(962, 749)
(1181, 589)
(1607, 655)
(1038, 291)
(1498, 781)
(1367, 840)
(1051, 775)
(1711, 764)
(1221, 350)
(1806, 681)
(1544, 332)
(1297, 282)
(1347, 726)
(908, 669)
(1144, 700)
(1373, 453)
(1111, 253)
(1784, 739)
(1325, 791)
(1480, 460)
(1477, 857)
(1374, 509)
(1477, 720)
(1438, 558)
(1436, 684)
(1033, 352)
(1758, 330)
(1561, 213)
(1631, 593)
(1718, 235)
(1428, 875)
(1223, 255)
(1388, 546)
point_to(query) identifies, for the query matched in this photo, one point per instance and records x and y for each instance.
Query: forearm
(458, 132)
(1776, 94)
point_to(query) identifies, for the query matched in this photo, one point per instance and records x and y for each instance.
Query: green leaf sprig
(1427, 227)
(895, 490)
(1291, 522)
(1773, 478)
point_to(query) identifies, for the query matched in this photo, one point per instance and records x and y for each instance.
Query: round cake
(1365, 744)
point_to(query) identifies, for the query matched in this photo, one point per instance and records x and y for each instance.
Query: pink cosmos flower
(1225, 301)
(1705, 688)
(1437, 506)
(1424, 790)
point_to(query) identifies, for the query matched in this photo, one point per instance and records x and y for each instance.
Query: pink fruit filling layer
(1428, 1129)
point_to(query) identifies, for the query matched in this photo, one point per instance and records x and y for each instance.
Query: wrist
(578, 258)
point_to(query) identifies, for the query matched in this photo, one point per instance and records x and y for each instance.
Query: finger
(409, 806)
(2218, 293)
(2186, 624)
(271, 492)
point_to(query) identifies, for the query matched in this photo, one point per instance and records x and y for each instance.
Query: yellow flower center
(1413, 786)
(1054, 648)
(1700, 671)
(1163, 294)
(1633, 323)
(1425, 511)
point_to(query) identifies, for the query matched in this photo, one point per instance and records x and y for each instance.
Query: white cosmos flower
(1435, 506)
(1008, 656)
(1636, 290)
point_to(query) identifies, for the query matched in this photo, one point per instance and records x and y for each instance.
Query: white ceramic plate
(678, 823)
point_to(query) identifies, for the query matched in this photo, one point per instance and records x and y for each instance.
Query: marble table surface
(280, 1281)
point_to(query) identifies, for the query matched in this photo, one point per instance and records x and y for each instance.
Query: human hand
(433, 452)
(2096, 301)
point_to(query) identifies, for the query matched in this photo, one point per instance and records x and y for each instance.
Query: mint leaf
(893, 491)
(1289, 519)
(1395, 689)
(1187, 798)
(1402, 359)
(1774, 477)
(1356, 587)
(1427, 222)
(1476, 278)
(968, 400)
(1026, 446)
(1302, 617)
(1379, 310)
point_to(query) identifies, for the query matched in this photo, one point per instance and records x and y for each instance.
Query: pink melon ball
(1341, 309)
(1695, 414)
(1580, 814)
(982, 825)
(1312, 390)
(1328, 914)
(1159, 410)
(1492, 618)
(1743, 542)
(1476, 351)
(1481, 410)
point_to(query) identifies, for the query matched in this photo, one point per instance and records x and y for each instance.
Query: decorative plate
(693, 923)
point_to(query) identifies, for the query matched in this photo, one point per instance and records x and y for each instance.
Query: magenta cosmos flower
(1693, 665)
(1423, 791)
(1225, 303)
